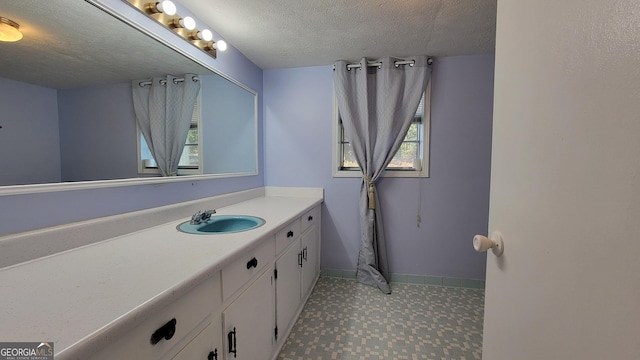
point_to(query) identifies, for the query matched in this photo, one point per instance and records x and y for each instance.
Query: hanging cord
(418, 216)
(372, 196)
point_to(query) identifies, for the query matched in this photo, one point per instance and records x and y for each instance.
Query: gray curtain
(377, 105)
(164, 107)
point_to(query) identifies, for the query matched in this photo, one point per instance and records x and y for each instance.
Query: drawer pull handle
(252, 263)
(310, 218)
(300, 258)
(166, 332)
(231, 336)
(290, 234)
(213, 355)
(304, 254)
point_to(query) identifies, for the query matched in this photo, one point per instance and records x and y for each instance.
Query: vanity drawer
(287, 235)
(310, 218)
(238, 273)
(185, 318)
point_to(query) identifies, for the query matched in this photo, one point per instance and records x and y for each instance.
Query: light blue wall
(37, 210)
(455, 199)
(97, 133)
(29, 147)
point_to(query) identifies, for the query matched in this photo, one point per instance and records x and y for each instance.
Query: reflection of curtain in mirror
(163, 108)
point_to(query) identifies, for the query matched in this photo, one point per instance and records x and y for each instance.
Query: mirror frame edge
(6, 190)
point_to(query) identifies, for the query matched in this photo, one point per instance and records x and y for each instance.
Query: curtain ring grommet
(141, 84)
(380, 66)
(195, 78)
(163, 82)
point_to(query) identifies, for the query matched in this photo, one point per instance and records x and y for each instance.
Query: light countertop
(81, 298)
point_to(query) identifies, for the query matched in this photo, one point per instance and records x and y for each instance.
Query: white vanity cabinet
(160, 294)
(249, 321)
(172, 328)
(297, 269)
(206, 346)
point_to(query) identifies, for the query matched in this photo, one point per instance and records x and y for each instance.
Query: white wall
(565, 182)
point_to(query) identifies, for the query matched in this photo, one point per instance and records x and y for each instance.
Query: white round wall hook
(495, 243)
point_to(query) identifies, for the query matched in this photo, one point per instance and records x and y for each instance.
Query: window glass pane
(192, 136)
(405, 155)
(412, 134)
(348, 158)
(189, 156)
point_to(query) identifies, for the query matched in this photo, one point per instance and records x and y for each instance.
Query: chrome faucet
(201, 216)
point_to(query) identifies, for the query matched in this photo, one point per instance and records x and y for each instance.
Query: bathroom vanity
(158, 293)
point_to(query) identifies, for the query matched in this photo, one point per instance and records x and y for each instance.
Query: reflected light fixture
(165, 13)
(9, 30)
(166, 7)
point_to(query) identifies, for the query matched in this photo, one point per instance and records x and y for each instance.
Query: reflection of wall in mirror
(228, 125)
(90, 133)
(29, 143)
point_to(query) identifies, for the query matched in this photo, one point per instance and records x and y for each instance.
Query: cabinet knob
(252, 263)
(166, 332)
(310, 218)
(290, 234)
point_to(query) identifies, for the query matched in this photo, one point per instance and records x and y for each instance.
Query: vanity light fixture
(9, 30)
(166, 7)
(186, 22)
(220, 45)
(166, 14)
(204, 35)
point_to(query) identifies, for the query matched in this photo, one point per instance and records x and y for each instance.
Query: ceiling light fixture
(165, 13)
(9, 30)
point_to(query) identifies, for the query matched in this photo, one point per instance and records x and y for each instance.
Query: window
(414, 146)
(190, 160)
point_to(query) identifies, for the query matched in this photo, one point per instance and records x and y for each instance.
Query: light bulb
(205, 35)
(167, 7)
(221, 45)
(188, 23)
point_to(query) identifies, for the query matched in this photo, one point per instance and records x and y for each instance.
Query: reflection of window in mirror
(190, 161)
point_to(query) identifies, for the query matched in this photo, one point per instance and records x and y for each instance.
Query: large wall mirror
(66, 109)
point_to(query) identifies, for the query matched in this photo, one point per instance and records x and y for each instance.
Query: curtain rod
(378, 64)
(164, 82)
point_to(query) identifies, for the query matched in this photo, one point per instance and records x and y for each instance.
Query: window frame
(191, 170)
(389, 172)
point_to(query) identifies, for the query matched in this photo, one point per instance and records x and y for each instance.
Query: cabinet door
(288, 285)
(206, 346)
(311, 259)
(249, 321)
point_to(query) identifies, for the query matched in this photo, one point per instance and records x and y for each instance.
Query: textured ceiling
(62, 47)
(73, 52)
(282, 34)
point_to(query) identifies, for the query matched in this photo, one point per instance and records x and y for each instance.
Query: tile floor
(347, 320)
